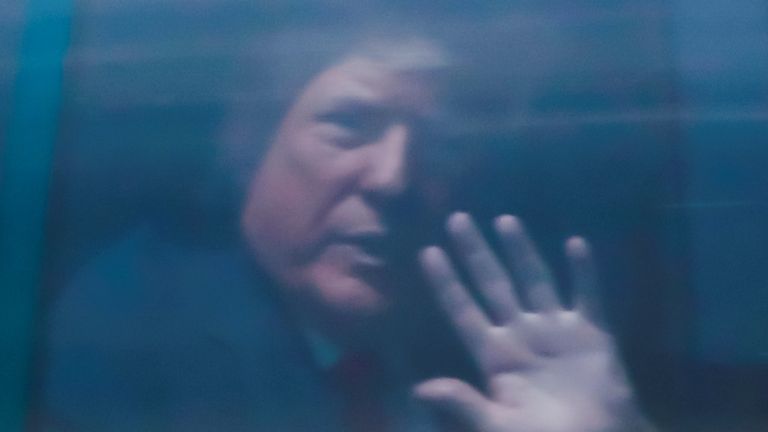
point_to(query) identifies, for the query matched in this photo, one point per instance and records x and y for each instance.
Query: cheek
(304, 180)
(326, 172)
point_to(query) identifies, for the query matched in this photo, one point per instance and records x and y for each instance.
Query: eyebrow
(351, 103)
(369, 106)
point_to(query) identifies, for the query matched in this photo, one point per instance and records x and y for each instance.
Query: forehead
(361, 81)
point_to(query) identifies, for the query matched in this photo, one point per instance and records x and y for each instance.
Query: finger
(460, 307)
(531, 274)
(510, 388)
(486, 272)
(455, 400)
(584, 279)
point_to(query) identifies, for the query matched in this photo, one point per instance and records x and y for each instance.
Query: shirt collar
(325, 354)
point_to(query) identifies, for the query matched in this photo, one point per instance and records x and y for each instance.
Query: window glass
(320, 215)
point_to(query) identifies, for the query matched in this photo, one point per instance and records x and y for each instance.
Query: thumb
(455, 401)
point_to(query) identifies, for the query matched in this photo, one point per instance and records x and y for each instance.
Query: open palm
(547, 368)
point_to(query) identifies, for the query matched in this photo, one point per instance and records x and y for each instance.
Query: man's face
(316, 212)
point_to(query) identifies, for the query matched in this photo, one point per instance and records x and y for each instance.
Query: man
(316, 340)
(316, 217)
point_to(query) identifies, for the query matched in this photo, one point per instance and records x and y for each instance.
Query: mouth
(368, 248)
(362, 249)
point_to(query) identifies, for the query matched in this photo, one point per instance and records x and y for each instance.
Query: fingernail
(429, 254)
(508, 224)
(577, 246)
(458, 221)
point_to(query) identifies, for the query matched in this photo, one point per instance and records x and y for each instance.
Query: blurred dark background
(639, 124)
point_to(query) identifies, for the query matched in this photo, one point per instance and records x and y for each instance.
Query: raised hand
(547, 368)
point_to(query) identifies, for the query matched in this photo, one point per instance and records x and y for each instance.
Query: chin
(358, 298)
(350, 300)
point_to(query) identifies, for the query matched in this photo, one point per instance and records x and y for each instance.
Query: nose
(387, 173)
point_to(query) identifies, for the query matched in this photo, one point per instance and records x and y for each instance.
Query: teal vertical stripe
(26, 166)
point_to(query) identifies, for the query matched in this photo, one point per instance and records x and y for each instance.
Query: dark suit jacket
(151, 336)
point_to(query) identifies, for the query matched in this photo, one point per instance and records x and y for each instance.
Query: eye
(349, 120)
(354, 127)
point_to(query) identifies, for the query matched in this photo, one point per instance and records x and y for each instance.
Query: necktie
(360, 381)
